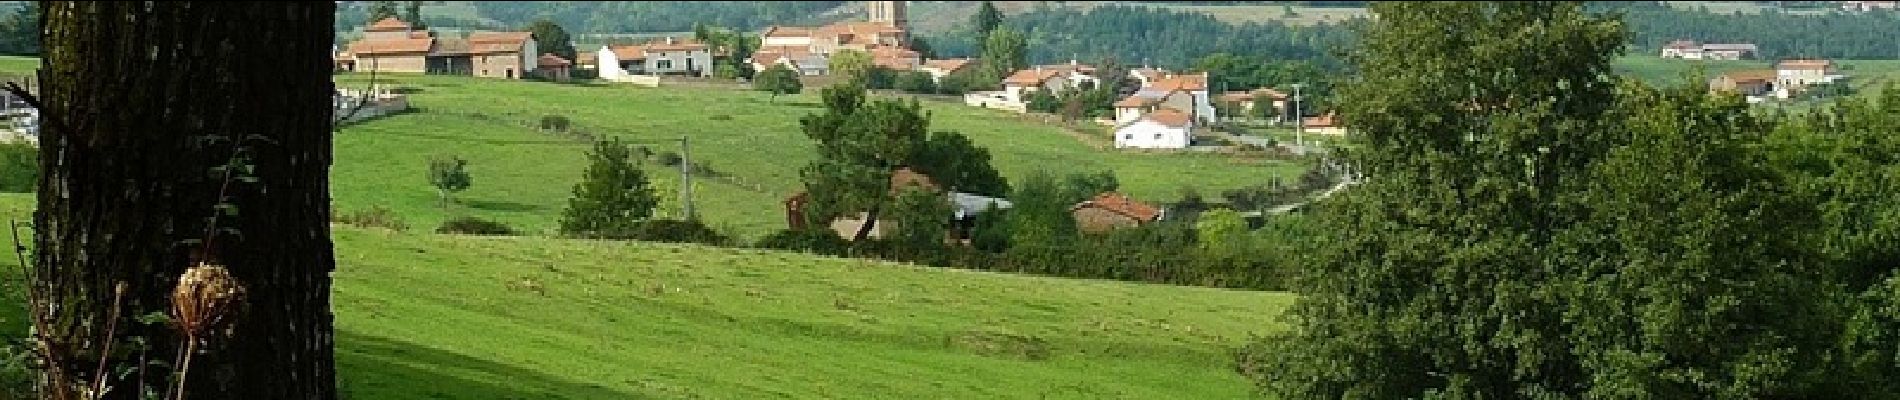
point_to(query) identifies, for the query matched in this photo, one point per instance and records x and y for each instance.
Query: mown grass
(523, 176)
(436, 316)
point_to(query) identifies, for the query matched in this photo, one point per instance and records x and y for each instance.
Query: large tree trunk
(143, 101)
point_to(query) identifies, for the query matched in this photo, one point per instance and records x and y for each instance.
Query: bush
(19, 167)
(667, 158)
(555, 123)
(916, 82)
(16, 375)
(678, 231)
(810, 240)
(474, 226)
(374, 217)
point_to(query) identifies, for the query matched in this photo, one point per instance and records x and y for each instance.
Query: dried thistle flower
(206, 299)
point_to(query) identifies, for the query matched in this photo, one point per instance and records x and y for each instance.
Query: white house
(1164, 128)
(1798, 73)
(1147, 76)
(1201, 106)
(668, 57)
(942, 68)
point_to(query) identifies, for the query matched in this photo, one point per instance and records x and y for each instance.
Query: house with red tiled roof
(942, 68)
(1110, 211)
(665, 56)
(1244, 101)
(965, 207)
(553, 67)
(884, 34)
(1055, 78)
(390, 45)
(1164, 128)
(1324, 124)
(1795, 74)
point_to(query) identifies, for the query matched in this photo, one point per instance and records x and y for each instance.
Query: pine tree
(613, 198)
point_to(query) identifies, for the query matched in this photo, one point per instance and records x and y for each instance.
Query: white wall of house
(1075, 80)
(530, 57)
(673, 62)
(1124, 115)
(1203, 107)
(1014, 93)
(787, 41)
(1147, 134)
(609, 64)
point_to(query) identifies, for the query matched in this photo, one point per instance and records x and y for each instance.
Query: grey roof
(1728, 47)
(972, 204)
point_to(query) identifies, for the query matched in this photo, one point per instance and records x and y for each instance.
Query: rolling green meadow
(523, 176)
(422, 315)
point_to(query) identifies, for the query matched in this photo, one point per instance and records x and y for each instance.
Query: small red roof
(1169, 117)
(1133, 101)
(1326, 120)
(1119, 204)
(1190, 83)
(949, 65)
(386, 25)
(1031, 77)
(550, 60)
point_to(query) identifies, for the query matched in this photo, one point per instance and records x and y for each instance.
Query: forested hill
(610, 16)
(1779, 34)
(1173, 39)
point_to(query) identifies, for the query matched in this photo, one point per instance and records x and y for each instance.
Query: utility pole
(1299, 121)
(686, 181)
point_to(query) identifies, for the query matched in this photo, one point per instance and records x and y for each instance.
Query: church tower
(890, 12)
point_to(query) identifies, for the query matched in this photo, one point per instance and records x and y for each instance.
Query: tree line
(1832, 34)
(1558, 232)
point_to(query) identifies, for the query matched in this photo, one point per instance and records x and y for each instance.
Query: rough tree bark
(142, 102)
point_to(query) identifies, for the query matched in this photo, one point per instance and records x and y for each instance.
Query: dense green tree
(1004, 52)
(1467, 137)
(380, 10)
(613, 198)
(1042, 101)
(19, 167)
(412, 13)
(778, 79)
(1083, 186)
(860, 144)
(449, 174)
(985, 21)
(916, 82)
(851, 64)
(956, 163)
(550, 37)
(1039, 215)
(920, 221)
(922, 47)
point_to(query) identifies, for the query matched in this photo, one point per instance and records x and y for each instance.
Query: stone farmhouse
(391, 45)
(884, 34)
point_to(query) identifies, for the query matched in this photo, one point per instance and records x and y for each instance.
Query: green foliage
(922, 48)
(985, 21)
(1042, 101)
(19, 167)
(879, 77)
(957, 83)
(851, 64)
(678, 231)
(954, 162)
(812, 240)
(380, 10)
(412, 13)
(916, 82)
(556, 123)
(550, 37)
(1778, 35)
(449, 174)
(17, 375)
(20, 31)
(919, 218)
(612, 199)
(1164, 38)
(1004, 52)
(1040, 216)
(778, 79)
(1083, 186)
(659, 16)
(373, 217)
(474, 226)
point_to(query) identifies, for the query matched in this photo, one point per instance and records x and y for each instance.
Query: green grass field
(434, 316)
(523, 176)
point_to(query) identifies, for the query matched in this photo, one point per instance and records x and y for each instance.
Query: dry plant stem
(112, 327)
(184, 367)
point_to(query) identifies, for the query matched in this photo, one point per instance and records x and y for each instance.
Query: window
(1157, 136)
(663, 64)
(1130, 136)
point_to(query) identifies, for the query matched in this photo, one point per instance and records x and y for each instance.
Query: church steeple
(890, 12)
